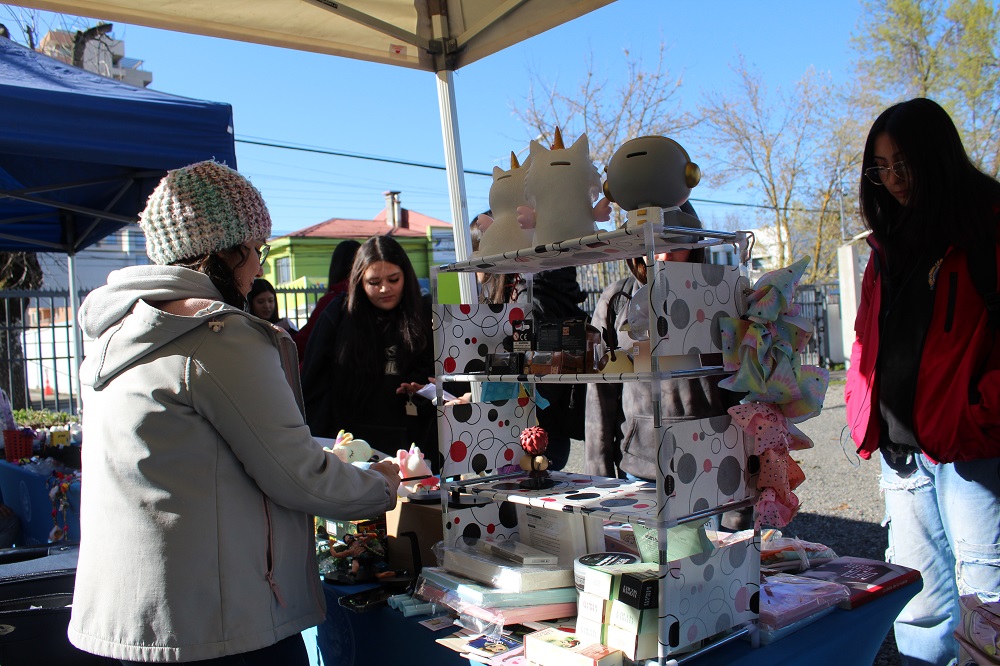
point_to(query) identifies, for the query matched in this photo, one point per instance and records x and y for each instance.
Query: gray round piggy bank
(650, 171)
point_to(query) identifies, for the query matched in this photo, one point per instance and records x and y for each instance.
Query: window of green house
(283, 268)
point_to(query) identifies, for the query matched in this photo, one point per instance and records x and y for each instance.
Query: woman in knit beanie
(202, 476)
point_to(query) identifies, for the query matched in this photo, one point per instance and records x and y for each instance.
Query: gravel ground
(841, 503)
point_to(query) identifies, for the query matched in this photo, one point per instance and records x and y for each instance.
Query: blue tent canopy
(80, 153)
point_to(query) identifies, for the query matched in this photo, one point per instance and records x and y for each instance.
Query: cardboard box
(424, 521)
(522, 335)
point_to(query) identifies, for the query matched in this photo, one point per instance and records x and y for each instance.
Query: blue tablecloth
(842, 637)
(381, 636)
(24, 489)
(387, 637)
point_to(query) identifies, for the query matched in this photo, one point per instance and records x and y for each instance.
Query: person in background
(341, 262)
(921, 323)
(263, 303)
(371, 348)
(556, 297)
(619, 437)
(496, 288)
(202, 476)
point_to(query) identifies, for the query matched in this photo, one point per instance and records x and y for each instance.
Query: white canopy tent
(433, 35)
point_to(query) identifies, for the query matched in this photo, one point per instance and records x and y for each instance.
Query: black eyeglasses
(262, 253)
(880, 174)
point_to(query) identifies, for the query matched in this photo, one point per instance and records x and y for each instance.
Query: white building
(102, 54)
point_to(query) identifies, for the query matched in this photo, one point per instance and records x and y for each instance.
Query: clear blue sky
(301, 98)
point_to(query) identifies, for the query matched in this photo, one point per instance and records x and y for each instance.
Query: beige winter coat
(200, 477)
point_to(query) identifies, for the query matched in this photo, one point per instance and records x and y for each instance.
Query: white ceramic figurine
(561, 187)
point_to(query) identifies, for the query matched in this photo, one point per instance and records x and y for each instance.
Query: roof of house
(412, 224)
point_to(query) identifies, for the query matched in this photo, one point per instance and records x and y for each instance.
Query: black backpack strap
(983, 271)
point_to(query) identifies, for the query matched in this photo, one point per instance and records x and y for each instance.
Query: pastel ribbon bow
(762, 349)
(778, 473)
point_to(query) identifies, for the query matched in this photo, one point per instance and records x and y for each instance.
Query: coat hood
(125, 327)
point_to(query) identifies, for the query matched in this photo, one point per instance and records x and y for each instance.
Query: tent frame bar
(367, 20)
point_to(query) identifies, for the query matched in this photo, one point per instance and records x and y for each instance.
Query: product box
(505, 363)
(573, 335)
(634, 646)
(590, 631)
(421, 520)
(630, 618)
(593, 607)
(865, 579)
(553, 646)
(522, 335)
(640, 588)
(606, 582)
(518, 552)
(548, 337)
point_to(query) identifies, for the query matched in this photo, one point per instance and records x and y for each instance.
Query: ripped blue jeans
(944, 519)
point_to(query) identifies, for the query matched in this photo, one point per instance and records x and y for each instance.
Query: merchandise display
(480, 441)
(692, 320)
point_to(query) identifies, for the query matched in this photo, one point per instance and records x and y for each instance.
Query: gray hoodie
(200, 477)
(619, 436)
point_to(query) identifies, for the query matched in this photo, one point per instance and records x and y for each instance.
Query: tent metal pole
(74, 329)
(456, 181)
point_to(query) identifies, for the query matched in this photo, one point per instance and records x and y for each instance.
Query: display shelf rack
(624, 243)
(589, 378)
(621, 500)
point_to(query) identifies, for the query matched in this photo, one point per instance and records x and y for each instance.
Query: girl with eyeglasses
(924, 378)
(202, 476)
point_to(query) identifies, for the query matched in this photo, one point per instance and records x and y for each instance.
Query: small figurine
(350, 450)
(414, 471)
(501, 232)
(534, 441)
(561, 187)
(650, 171)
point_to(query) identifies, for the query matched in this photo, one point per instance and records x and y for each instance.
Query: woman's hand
(461, 400)
(412, 387)
(390, 471)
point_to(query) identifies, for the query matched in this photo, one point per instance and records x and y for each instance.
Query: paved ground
(841, 504)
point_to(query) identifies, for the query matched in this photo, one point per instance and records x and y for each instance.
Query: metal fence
(38, 367)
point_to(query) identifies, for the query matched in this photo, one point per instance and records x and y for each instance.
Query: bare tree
(767, 145)
(647, 101)
(948, 51)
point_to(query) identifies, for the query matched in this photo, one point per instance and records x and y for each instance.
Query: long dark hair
(221, 275)
(260, 285)
(949, 202)
(365, 327)
(341, 262)
(497, 288)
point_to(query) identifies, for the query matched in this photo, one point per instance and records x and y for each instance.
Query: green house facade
(301, 259)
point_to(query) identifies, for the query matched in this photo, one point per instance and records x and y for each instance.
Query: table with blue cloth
(379, 636)
(25, 489)
(385, 636)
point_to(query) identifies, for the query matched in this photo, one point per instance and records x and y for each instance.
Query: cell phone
(368, 600)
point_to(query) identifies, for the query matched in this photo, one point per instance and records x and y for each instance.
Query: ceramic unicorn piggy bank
(650, 171)
(561, 187)
(411, 465)
(502, 233)
(350, 450)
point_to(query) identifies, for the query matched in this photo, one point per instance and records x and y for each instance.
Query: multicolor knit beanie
(200, 209)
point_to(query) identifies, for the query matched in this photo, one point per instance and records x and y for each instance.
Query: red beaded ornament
(534, 440)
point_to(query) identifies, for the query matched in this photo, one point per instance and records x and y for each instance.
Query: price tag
(411, 409)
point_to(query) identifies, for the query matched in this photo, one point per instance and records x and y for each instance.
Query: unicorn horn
(514, 164)
(557, 143)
